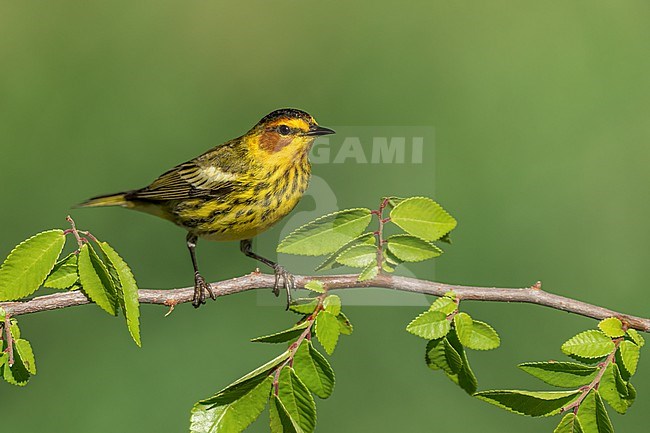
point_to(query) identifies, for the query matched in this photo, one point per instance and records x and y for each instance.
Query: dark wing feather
(212, 174)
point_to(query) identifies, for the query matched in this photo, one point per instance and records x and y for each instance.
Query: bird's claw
(283, 279)
(200, 289)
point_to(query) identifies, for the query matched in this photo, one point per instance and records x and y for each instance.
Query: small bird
(233, 191)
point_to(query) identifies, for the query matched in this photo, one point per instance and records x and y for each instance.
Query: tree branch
(256, 280)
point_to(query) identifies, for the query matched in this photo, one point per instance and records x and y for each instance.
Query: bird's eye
(284, 130)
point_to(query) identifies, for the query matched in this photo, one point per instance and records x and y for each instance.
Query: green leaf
(358, 256)
(96, 281)
(612, 327)
(283, 336)
(281, 421)
(332, 304)
(275, 423)
(297, 399)
(593, 416)
(430, 325)
(475, 334)
(4, 357)
(327, 233)
(529, 402)
(636, 337)
(608, 390)
(3, 314)
(244, 384)
(629, 354)
(411, 248)
(345, 325)
(327, 330)
(64, 274)
(621, 385)
(463, 323)
(27, 266)
(450, 294)
(369, 272)
(589, 344)
(393, 201)
(386, 266)
(587, 413)
(483, 337)
(26, 354)
(129, 291)
(17, 374)
(602, 418)
(315, 286)
(562, 374)
(465, 377)
(364, 239)
(422, 217)
(14, 329)
(233, 417)
(631, 394)
(444, 304)
(441, 355)
(391, 258)
(303, 305)
(569, 424)
(314, 370)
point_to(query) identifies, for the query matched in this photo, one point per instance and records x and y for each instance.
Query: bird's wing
(212, 174)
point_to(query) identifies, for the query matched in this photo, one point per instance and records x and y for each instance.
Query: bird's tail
(118, 199)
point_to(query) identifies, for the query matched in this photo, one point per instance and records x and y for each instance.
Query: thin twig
(530, 295)
(9, 339)
(74, 231)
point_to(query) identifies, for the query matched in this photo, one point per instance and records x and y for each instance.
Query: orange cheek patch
(273, 142)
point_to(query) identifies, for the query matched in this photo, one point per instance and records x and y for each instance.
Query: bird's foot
(283, 279)
(201, 287)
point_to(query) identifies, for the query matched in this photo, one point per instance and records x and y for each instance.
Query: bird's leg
(281, 274)
(200, 285)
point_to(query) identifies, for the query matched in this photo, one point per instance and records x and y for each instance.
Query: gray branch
(256, 280)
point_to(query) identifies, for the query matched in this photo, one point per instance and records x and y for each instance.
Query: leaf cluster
(343, 237)
(36, 262)
(289, 382)
(450, 332)
(606, 358)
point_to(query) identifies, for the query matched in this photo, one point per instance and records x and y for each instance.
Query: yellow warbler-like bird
(234, 191)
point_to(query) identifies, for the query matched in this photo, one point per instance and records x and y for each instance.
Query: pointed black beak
(319, 130)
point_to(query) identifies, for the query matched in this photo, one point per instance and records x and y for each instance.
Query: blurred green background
(540, 113)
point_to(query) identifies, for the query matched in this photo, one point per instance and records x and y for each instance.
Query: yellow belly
(241, 214)
(243, 221)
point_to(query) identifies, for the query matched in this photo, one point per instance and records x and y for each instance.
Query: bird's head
(287, 132)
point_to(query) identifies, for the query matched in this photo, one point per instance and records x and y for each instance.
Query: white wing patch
(215, 174)
(208, 177)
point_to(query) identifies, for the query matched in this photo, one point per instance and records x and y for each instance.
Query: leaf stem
(90, 235)
(74, 231)
(305, 335)
(380, 232)
(9, 338)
